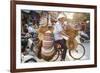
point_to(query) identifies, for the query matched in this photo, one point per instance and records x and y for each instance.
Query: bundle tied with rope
(47, 39)
(71, 33)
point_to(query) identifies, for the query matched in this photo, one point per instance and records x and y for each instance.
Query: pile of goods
(71, 42)
(47, 50)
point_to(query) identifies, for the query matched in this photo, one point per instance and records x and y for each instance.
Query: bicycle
(76, 49)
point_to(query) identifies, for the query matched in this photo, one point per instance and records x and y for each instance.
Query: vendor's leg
(64, 49)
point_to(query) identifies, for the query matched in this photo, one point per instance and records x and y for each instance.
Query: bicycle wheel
(57, 55)
(78, 52)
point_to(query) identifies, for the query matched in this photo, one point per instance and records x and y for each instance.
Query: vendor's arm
(61, 30)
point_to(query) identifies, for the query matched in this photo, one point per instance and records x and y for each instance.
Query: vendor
(58, 32)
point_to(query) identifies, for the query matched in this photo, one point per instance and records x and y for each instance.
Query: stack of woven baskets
(48, 50)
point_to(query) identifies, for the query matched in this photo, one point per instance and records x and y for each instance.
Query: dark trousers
(63, 48)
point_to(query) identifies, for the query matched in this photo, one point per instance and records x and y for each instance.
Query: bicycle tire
(73, 56)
